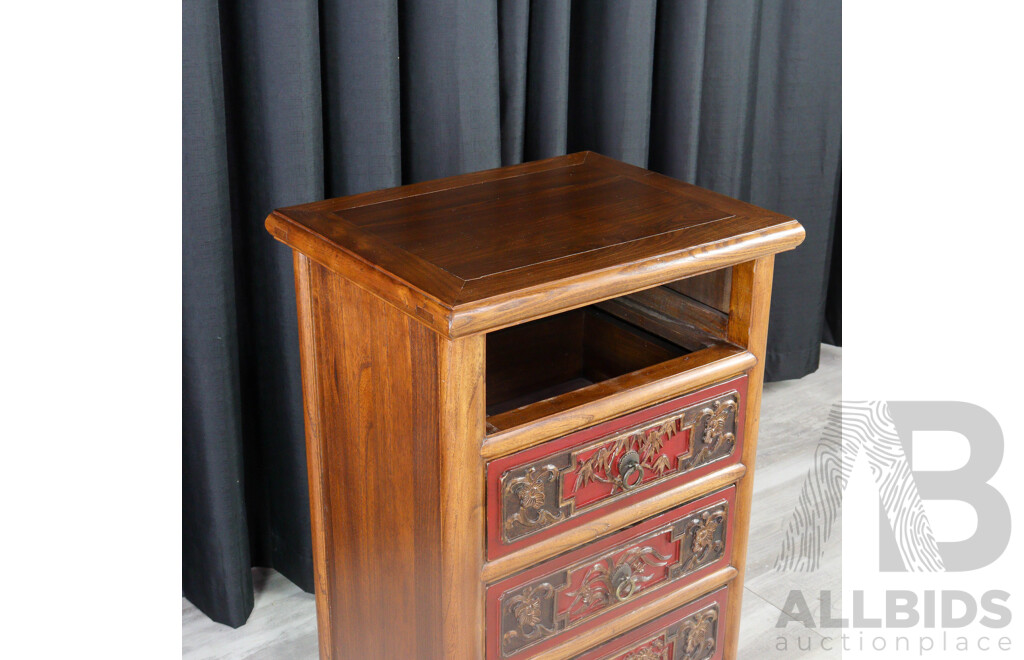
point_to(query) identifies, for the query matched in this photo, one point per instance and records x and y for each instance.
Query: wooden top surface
(480, 244)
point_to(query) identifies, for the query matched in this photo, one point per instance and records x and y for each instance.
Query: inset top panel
(483, 229)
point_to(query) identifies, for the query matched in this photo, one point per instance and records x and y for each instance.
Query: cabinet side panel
(314, 450)
(748, 326)
(376, 376)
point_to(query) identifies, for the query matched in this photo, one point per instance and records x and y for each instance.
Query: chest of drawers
(531, 400)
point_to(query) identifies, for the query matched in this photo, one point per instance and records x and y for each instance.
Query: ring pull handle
(622, 584)
(630, 470)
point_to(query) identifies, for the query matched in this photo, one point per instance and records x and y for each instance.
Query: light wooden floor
(283, 622)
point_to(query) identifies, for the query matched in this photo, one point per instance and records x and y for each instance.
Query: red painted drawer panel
(536, 493)
(695, 631)
(536, 609)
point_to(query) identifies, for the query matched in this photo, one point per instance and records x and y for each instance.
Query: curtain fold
(285, 103)
(361, 96)
(450, 114)
(215, 538)
(547, 80)
(794, 168)
(275, 153)
(612, 55)
(513, 48)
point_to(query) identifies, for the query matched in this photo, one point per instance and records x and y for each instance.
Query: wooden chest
(531, 402)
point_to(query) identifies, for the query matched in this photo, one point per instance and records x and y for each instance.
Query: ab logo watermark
(882, 431)
(877, 435)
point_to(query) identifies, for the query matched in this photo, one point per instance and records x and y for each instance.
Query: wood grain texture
(552, 287)
(682, 309)
(319, 519)
(670, 315)
(530, 425)
(461, 496)
(407, 300)
(612, 348)
(748, 326)
(532, 356)
(515, 223)
(418, 305)
(712, 289)
(479, 252)
(379, 412)
(398, 456)
(560, 353)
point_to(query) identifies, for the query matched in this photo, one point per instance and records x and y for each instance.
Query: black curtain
(290, 102)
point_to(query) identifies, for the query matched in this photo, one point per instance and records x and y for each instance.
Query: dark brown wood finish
(530, 357)
(668, 303)
(612, 348)
(315, 440)
(461, 496)
(553, 297)
(384, 395)
(672, 316)
(534, 423)
(712, 289)
(566, 352)
(477, 252)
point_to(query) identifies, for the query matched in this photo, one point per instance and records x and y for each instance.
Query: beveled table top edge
(458, 307)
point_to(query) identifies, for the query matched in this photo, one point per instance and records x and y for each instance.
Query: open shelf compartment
(560, 361)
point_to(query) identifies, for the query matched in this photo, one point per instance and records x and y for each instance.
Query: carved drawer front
(540, 607)
(541, 491)
(695, 631)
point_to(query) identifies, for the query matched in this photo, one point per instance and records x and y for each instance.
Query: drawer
(538, 492)
(695, 631)
(542, 606)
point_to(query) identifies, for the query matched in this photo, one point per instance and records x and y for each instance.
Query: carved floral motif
(566, 598)
(655, 650)
(602, 466)
(706, 542)
(699, 634)
(526, 608)
(607, 581)
(715, 436)
(529, 489)
(564, 484)
(530, 613)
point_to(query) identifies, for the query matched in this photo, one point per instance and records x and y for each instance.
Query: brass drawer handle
(629, 465)
(623, 582)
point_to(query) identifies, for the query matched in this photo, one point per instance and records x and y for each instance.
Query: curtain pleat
(547, 80)
(678, 86)
(215, 538)
(794, 155)
(727, 96)
(361, 95)
(612, 54)
(449, 64)
(285, 103)
(513, 47)
(275, 149)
